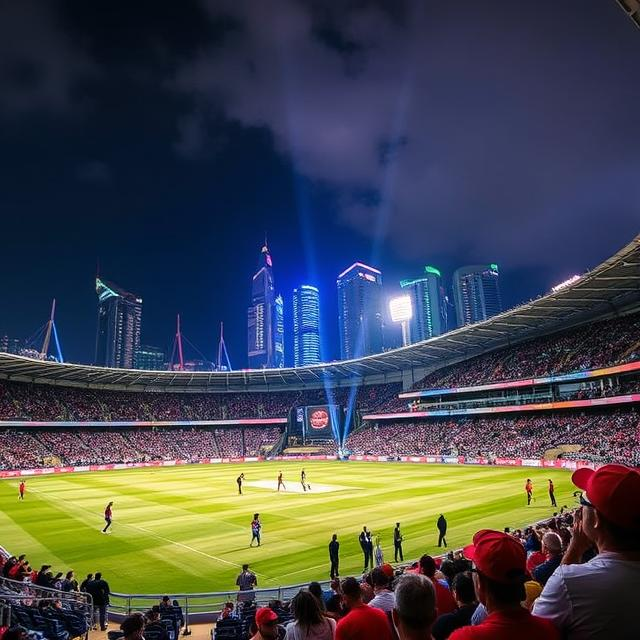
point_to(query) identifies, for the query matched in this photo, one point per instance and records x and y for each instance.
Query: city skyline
(164, 144)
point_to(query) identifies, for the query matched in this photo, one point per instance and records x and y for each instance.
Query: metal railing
(15, 594)
(201, 607)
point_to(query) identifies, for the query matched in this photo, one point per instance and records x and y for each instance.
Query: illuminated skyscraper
(476, 293)
(119, 323)
(429, 305)
(150, 358)
(360, 311)
(306, 325)
(265, 319)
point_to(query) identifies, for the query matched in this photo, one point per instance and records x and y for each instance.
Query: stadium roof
(611, 288)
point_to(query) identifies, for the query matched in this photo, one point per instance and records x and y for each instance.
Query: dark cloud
(40, 67)
(94, 172)
(493, 136)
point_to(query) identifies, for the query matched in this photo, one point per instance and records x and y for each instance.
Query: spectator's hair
(379, 578)
(334, 536)
(69, 575)
(132, 623)
(415, 601)
(245, 567)
(552, 542)
(98, 575)
(463, 587)
(316, 591)
(306, 609)
(506, 593)
(428, 566)
(351, 588)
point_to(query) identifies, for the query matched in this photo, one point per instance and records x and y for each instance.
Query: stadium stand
(610, 436)
(592, 346)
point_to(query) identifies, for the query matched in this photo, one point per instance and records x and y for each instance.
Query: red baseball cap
(265, 615)
(387, 569)
(498, 556)
(614, 490)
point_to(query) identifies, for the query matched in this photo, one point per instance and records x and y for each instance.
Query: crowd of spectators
(22, 401)
(32, 448)
(595, 345)
(608, 436)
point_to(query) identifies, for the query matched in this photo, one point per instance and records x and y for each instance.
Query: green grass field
(185, 529)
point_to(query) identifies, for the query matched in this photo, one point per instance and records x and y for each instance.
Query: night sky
(163, 139)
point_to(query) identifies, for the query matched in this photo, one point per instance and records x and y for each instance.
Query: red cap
(614, 490)
(498, 556)
(387, 570)
(264, 615)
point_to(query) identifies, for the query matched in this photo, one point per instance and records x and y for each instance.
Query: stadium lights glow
(401, 309)
(565, 283)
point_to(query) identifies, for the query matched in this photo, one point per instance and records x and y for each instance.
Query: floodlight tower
(401, 311)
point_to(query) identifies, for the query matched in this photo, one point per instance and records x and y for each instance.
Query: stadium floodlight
(401, 311)
(565, 283)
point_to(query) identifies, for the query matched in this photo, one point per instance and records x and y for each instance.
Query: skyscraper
(265, 318)
(360, 311)
(476, 293)
(429, 305)
(119, 322)
(306, 325)
(150, 358)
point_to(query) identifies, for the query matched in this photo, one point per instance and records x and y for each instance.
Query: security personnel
(397, 543)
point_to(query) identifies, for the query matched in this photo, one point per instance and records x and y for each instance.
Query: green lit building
(429, 305)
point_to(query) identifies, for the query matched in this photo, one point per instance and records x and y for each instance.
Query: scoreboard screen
(320, 421)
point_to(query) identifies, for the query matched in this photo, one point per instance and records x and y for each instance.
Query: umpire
(334, 549)
(442, 528)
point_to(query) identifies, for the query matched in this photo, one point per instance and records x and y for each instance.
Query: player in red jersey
(22, 488)
(552, 493)
(529, 489)
(107, 517)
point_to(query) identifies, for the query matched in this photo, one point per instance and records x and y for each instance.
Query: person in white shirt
(383, 597)
(598, 599)
(309, 623)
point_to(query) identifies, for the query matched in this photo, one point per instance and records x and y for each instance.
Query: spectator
(15, 633)
(383, 598)
(132, 627)
(98, 589)
(309, 623)
(362, 622)
(465, 597)
(83, 584)
(153, 629)
(552, 548)
(500, 574)
(597, 599)
(246, 582)
(415, 608)
(444, 600)
(69, 583)
(266, 623)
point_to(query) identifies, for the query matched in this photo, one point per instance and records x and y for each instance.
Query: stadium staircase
(278, 447)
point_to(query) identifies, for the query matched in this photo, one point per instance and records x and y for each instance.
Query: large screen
(320, 421)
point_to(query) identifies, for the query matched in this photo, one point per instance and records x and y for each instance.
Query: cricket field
(186, 529)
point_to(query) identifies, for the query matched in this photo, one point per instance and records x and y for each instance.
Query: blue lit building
(360, 311)
(476, 293)
(306, 325)
(265, 319)
(429, 305)
(119, 326)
